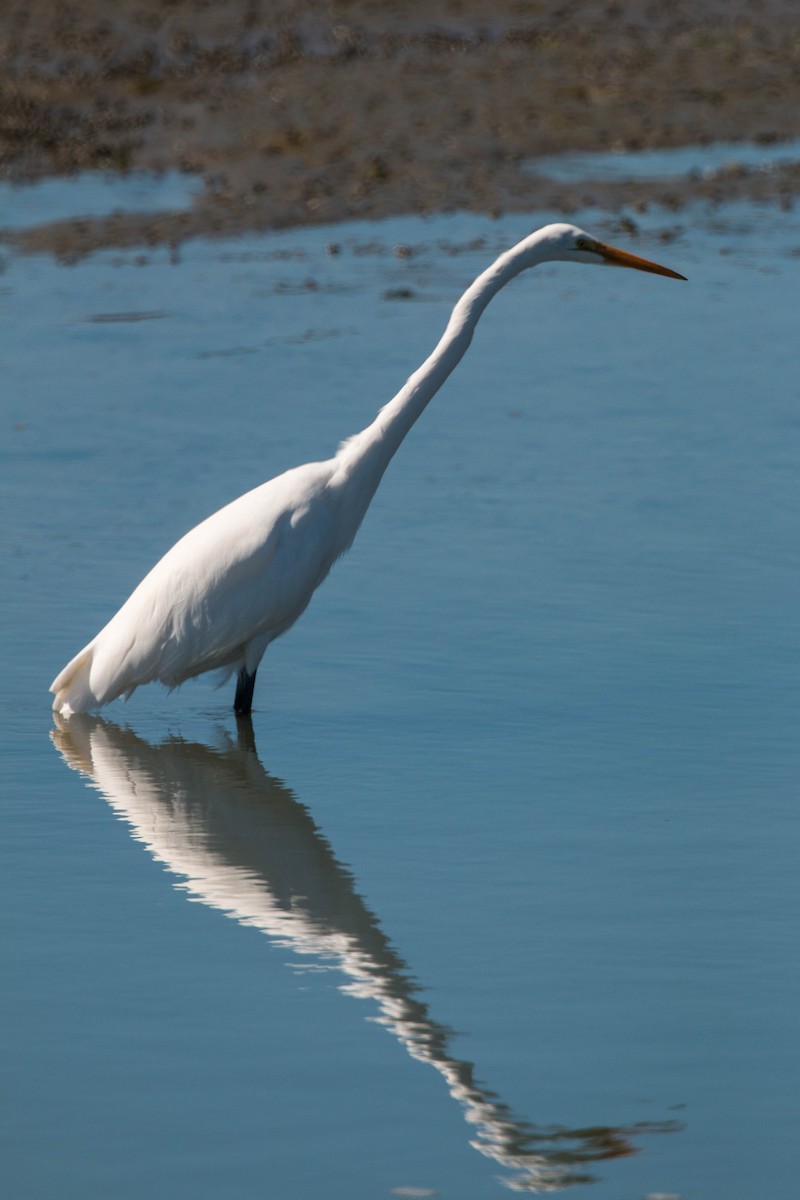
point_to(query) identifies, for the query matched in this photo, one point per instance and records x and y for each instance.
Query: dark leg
(245, 732)
(243, 701)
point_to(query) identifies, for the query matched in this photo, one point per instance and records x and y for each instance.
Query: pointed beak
(621, 258)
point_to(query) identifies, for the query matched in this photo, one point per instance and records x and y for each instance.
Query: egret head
(567, 243)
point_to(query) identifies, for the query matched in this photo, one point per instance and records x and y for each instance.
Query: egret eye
(582, 243)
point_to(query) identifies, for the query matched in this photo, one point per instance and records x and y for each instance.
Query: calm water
(500, 891)
(92, 194)
(716, 158)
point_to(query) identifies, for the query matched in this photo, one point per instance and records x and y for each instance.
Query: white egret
(242, 577)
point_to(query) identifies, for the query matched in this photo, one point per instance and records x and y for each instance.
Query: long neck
(373, 448)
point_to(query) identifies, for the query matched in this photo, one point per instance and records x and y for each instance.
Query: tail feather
(72, 687)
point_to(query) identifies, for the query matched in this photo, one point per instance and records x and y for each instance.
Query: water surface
(509, 854)
(92, 194)
(715, 158)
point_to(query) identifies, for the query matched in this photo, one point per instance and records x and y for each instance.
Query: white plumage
(242, 577)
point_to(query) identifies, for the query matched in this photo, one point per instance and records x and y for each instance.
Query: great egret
(242, 577)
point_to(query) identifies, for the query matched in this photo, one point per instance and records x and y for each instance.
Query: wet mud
(299, 113)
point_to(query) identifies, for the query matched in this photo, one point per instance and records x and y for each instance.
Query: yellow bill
(621, 258)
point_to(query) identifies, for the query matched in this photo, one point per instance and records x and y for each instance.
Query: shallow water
(509, 855)
(716, 158)
(93, 194)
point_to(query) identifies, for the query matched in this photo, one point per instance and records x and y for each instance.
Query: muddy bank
(298, 113)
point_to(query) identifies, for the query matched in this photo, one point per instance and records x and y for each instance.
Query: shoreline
(297, 114)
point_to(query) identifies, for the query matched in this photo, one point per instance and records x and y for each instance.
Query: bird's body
(242, 577)
(267, 548)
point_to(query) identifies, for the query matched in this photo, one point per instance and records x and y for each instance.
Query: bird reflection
(240, 842)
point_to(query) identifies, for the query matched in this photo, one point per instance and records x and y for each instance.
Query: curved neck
(376, 445)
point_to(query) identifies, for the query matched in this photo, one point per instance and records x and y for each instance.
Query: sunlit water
(509, 855)
(716, 158)
(92, 194)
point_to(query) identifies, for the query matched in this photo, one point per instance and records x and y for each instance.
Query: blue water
(92, 194)
(500, 890)
(716, 158)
